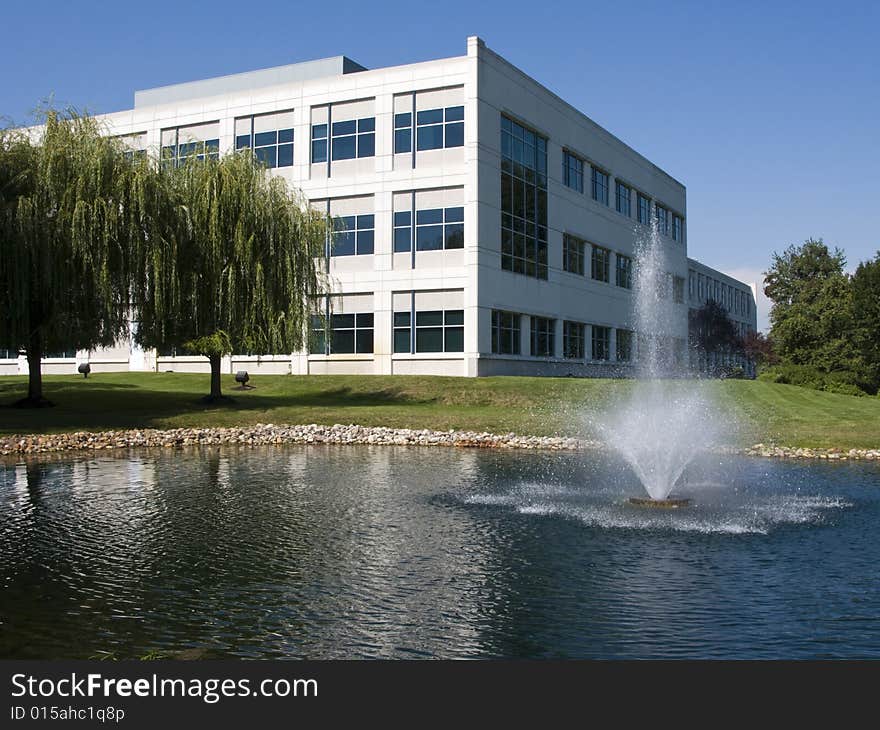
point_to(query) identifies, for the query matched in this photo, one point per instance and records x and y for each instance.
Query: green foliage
(866, 315)
(712, 329)
(71, 208)
(808, 376)
(812, 315)
(236, 264)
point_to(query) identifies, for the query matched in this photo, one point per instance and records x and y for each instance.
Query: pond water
(349, 552)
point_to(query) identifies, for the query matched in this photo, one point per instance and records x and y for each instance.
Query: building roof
(291, 73)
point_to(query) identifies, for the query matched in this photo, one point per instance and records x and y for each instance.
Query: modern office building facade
(485, 226)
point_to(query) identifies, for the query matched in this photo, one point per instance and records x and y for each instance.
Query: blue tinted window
(319, 130)
(261, 139)
(344, 148)
(366, 145)
(455, 114)
(402, 120)
(455, 134)
(344, 243)
(319, 150)
(348, 127)
(431, 116)
(402, 239)
(402, 140)
(434, 215)
(454, 215)
(266, 155)
(430, 138)
(365, 221)
(242, 141)
(285, 135)
(429, 238)
(285, 155)
(368, 124)
(402, 218)
(365, 242)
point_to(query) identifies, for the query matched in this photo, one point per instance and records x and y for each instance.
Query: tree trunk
(216, 395)
(35, 375)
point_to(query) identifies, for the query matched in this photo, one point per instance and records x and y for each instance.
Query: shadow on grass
(113, 406)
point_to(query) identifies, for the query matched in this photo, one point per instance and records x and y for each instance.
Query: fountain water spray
(666, 422)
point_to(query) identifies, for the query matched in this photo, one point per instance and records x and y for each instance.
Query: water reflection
(394, 552)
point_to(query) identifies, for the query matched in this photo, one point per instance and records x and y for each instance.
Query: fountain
(666, 421)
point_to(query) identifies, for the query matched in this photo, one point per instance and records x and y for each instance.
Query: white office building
(486, 226)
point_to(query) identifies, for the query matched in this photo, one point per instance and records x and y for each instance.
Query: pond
(359, 552)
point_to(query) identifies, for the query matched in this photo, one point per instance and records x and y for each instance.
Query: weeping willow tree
(236, 269)
(69, 214)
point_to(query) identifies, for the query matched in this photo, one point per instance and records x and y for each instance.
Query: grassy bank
(541, 406)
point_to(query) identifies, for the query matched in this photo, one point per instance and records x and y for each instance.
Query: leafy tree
(712, 331)
(69, 212)
(811, 318)
(759, 349)
(866, 315)
(236, 268)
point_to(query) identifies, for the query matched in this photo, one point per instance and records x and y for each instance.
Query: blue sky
(768, 111)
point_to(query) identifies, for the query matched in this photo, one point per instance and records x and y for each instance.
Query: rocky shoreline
(270, 434)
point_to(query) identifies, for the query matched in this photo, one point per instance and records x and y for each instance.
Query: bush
(807, 376)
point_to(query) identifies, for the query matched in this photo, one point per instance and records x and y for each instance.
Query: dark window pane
(343, 148)
(242, 141)
(319, 131)
(316, 346)
(261, 139)
(454, 113)
(401, 319)
(367, 124)
(342, 321)
(364, 319)
(364, 242)
(402, 140)
(402, 218)
(430, 138)
(347, 127)
(285, 155)
(402, 239)
(343, 244)
(454, 215)
(430, 116)
(344, 223)
(429, 238)
(455, 235)
(342, 341)
(429, 339)
(285, 135)
(365, 341)
(401, 340)
(454, 339)
(319, 151)
(455, 134)
(454, 316)
(429, 319)
(266, 155)
(402, 120)
(432, 215)
(366, 221)
(366, 145)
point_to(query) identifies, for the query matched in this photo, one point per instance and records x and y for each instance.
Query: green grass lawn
(755, 411)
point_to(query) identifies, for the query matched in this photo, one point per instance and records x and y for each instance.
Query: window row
(434, 129)
(702, 288)
(600, 190)
(574, 259)
(413, 332)
(507, 338)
